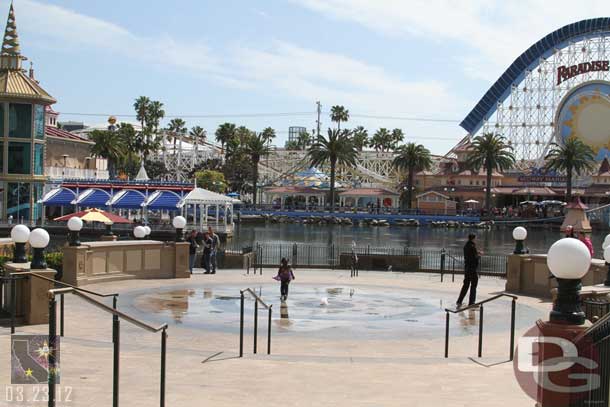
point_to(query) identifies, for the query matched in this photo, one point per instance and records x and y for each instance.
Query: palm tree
(177, 128)
(155, 115)
(303, 140)
(381, 140)
(224, 133)
(336, 149)
(109, 145)
(360, 138)
(573, 156)
(412, 158)
(256, 147)
(142, 107)
(197, 134)
(268, 134)
(492, 152)
(395, 139)
(339, 114)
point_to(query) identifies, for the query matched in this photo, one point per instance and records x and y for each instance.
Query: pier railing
(405, 259)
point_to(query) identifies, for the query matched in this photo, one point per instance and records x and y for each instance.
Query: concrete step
(105, 278)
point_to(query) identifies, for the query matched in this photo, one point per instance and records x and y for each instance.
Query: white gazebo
(203, 200)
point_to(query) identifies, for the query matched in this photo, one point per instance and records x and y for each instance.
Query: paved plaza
(319, 365)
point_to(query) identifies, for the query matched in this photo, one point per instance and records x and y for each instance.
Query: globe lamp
(39, 240)
(179, 223)
(147, 229)
(606, 242)
(139, 232)
(520, 234)
(20, 235)
(75, 225)
(569, 260)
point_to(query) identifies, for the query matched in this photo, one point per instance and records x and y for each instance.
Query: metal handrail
(479, 305)
(257, 300)
(116, 316)
(256, 297)
(33, 273)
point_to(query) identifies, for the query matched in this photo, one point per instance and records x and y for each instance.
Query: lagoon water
(495, 241)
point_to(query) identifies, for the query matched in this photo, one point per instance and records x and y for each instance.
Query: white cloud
(494, 32)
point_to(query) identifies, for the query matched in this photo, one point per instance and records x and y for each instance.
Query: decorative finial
(10, 45)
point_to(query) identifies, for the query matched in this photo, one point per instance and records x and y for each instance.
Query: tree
(224, 134)
(268, 134)
(256, 147)
(211, 180)
(412, 158)
(142, 107)
(573, 156)
(198, 135)
(303, 140)
(156, 169)
(491, 152)
(336, 149)
(339, 114)
(177, 129)
(381, 140)
(215, 164)
(395, 139)
(155, 115)
(293, 145)
(149, 113)
(109, 145)
(360, 138)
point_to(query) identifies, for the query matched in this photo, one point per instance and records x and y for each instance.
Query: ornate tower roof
(10, 44)
(15, 83)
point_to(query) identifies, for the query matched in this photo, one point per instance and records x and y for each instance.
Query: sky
(266, 62)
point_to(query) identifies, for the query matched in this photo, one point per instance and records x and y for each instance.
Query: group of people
(582, 236)
(210, 242)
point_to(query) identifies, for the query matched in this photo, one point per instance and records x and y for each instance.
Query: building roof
(368, 192)
(541, 191)
(294, 189)
(480, 173)
(204, 197)
(55, 132)
(15, 84)
(434, 193)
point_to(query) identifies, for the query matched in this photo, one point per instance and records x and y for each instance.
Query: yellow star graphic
(28, 372)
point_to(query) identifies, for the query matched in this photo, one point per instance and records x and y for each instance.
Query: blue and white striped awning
(58, 197)
(162, 200)
(93, 198)
(128, 199)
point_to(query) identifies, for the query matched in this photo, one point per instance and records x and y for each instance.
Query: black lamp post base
(607, 282)
(179, 235)
(38, 260)
(74, 239)
(520, 248)
(19, 253)
(566, 308)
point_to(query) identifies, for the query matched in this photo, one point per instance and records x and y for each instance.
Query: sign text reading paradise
(566, 72)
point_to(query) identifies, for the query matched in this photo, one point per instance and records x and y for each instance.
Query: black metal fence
(381, 258)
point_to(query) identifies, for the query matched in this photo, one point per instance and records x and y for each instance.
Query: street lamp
(109, 228)
(520, 234)
(39, 239)
(20, 234)
(139, 232)
(148, 230)
(569, 260)
(75, 225)
(179, 223)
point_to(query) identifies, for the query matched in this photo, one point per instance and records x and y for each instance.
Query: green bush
(55, 261)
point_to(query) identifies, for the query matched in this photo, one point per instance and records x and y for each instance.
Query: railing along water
(116, 317)
(479, 305)
(257, 300)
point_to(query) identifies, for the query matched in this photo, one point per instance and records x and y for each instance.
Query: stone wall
(528, 274)
(136, 259)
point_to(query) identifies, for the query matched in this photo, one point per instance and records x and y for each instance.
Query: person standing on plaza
(570, 232)
(471, 277)
(192, 240)
(207, 252)
(215, 246)
(284, 276)
(582, 236)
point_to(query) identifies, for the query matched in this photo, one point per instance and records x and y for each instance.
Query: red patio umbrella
(95, 215)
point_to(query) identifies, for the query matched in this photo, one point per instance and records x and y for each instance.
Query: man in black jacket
(471, 278)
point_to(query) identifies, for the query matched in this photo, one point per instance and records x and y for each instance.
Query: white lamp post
(520, 234)
(569, 260)
(139, 232)
(39, 239)
(75, 225)
(179, 223)
(19, 235)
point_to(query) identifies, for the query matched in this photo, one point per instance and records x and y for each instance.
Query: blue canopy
(94, 198)
(128, 199)
(59, 197)
(162, 200)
